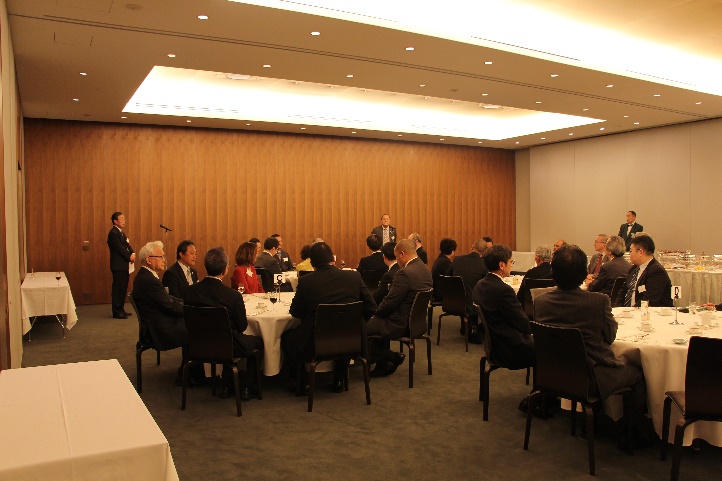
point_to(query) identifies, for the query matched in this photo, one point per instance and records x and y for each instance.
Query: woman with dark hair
(305, 264)
(245, 274)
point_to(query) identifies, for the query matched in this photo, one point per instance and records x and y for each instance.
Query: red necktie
(599, 265)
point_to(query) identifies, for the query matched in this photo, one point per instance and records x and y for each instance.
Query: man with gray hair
(543, 270)
(471, 269)
(595, 263)
(611, 270)
(420, 251)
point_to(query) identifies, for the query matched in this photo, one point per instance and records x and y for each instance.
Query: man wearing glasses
(513, 345)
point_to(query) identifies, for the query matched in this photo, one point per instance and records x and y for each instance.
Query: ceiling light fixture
(543, 138)
(124, 117)
(315, 34)
(657, 95)
(83, 74)
(480, 142)
(585, 110)
(636, 123)
(488, 63)
(441, 139)
(76, 100)
(571, 134)
(303, 128)
(554, 75)
(601, 128)
(353, 132)
(538, 102)
(610, 86)
(626, 116)
(188, 121)
(400, 135)
(248, 124)
(484, 95)
(517, 143)
(409, 49)
(422, 85)
(171, 55)
(202, 17)
(698, 103)
(349, 76)
(266, 66)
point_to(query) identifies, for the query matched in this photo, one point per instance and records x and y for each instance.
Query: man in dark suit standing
(420, 251)
(591, 313)
(182, 274)
(211, 292)
(282, 257)
(121, 257)
(513, 345)
(393, 267)
(375, 261)
(543, 270)
(629, 228)
(647, 280)
(471, 268)
(326, 285)
(385, 231)
(442, 264)
(616, 267)
(391, 319)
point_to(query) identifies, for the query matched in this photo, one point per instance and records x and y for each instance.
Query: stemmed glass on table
(57, 277)
(241, 289)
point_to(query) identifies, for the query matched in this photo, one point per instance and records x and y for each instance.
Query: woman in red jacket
(245, 274)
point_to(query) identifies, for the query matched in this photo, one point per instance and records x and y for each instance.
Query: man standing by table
(647, 280)
(385, 231)
(327, 285)
(182, 274)
(629, 228)
(122, 258)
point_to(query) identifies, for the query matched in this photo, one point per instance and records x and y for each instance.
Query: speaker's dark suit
(591, 313)
(657, 287)
(628, 238)
(374, 262)
(472, 269)
(211, 292)
(421, 252)
(513, 345)
(385, 283)
(175, 280)
(120, 251)
(604, 282)
(379, 231)
(441, 267)
(162, 313)
(542, 271)
(327, 285)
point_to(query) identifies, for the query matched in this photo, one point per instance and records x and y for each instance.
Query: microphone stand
(676, 322)
(166, 230)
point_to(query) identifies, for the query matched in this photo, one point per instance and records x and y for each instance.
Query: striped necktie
(631, 287)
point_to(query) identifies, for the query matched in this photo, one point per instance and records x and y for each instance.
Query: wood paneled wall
(221, 187)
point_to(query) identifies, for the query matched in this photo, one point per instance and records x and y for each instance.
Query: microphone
(166, 228)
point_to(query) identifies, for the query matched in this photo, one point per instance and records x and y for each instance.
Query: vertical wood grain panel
(222, 187)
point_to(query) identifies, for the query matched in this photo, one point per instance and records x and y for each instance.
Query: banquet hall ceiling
(85, 59)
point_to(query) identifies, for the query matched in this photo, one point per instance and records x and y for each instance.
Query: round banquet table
(664, 364)
(269, 322)
(697, 286)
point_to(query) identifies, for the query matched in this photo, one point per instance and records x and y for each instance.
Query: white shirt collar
(153, 272)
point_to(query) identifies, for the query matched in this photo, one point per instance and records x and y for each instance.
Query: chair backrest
(534, 284)
(419, 311)
(561, 361)
(453, 295)
(703, 381)
(143, 334)
(209, 334)
(266, 278)
(303, 273)
(616, 287)
(538, 291)
(487, 334)
(372, 277)
(339, 331)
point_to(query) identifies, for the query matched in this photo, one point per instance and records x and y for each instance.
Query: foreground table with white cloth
(81, 421)
(697, 286)
(664, 364)
(269, 322)
(44, 295)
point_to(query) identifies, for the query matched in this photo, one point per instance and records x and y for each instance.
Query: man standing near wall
(386, 232)
(122, 258)
(629, 228)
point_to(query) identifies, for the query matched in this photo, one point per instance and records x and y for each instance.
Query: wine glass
(57, 277)
(343, 263)
(241, 289)
(273, 297)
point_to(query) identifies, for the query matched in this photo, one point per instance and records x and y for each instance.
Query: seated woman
(305, 264)
(245, 274)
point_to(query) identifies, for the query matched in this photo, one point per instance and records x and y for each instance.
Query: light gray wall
(523, 214)
(672, 177)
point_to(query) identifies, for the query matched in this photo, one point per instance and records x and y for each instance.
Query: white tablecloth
(269, 322)
(43, 295)
(664, 364)
(81, 421)
(698, 286)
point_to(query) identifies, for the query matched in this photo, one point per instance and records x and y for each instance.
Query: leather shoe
(337, 386)
(381, 369)
(120, 316)
(225, 393)
(128, 313)
(246, 394)
(393, 365)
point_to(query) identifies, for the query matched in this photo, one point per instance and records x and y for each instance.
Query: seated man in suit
(591, 313)
(420, 251)
(557, 244)
(489, 241)
(472, 269)
(282, 257)
(161, 313)
(327, 285)
(647, 280)
(616, 267)
(267, 260)
(628, 230)
(513, 345)
(390, 260)
(595, 263)
(386, 232)
(543, 270)
(391, 319)
(211, 292)
(442, 265)
(375, 261)
(182, 274)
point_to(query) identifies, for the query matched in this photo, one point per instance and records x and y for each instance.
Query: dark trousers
(119, 291)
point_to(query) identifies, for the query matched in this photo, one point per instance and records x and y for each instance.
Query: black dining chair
(528, 285)
(484, 371)
(371, 278)
(453, 303)
(616, 287)
(144, 343)
(701, 399)
(210, 340)
(266, 279)
(434, 302)
(339, 334)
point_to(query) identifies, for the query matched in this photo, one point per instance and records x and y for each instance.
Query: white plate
(679, 341)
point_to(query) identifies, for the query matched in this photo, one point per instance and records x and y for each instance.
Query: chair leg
(627, 421)
(665, 426)
(428, 353)
(367, 379)
(186, 376)
(487, 375)
(573, 414)
(528, 371)
(311, 385)
(482, 366)
(412, 359)
(589, 414)
(257, 358)
(438, 330)
(138, 370)
(430, 315)
(214, 379)
(531, 402)
(237, 389)
(466, 331)
(677, 451)
(157, 358)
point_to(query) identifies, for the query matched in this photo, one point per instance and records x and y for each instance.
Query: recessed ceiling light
(484, 95)
(400, 135)
(601, 128)
(697, 103)
(571, 134)
(488, 63)
(349, 76)
(543, 138)
(171, 55)
(83, 74)
(188, 121)
(538, 102)
(441, 139)
(237, 76)
(202, 17)
(426, 98)
(585, 110)
(480, 142)
(657, 95)
(124, 117)
(517, 142)
(626, 116)
(409, 48)
(303, 128)
(422, 85)
(76, 100)
(353, 132)
(610, 86)
(248, 124)
(266, 66)
(315, 34)
(636, 123)
(554, 75)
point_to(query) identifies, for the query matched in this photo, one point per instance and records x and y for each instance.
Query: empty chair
(618, 284)
(210, 340)
(701, 399)
(339, 334)
(538, 291)
(530, 284)
(484, 371)
(433, 303)
(453, 304)
(266, 279)
(144, 343)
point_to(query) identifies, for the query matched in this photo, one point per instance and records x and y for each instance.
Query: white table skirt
(81, 421)
(269, 322)
(697, 286)
(43, 295)
(664, 364)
